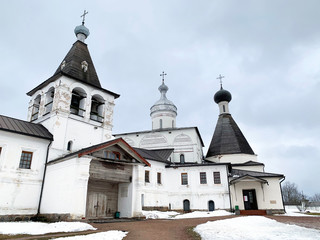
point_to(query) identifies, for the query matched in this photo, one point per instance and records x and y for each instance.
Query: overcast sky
(268, 51)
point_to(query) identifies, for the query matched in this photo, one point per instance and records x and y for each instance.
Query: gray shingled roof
(77, 54)
(23, 127)
(228, 138)
(160, 155)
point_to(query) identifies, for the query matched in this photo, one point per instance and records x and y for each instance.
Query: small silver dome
(163, 104)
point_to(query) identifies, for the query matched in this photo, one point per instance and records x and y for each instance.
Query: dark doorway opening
(186, 205)
(211, 205)
(249, 199)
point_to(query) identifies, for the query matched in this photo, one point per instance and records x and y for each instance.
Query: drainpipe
(44, 176)
(229, 189)
(284, 209)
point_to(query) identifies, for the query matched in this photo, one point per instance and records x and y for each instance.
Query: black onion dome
(222, 95)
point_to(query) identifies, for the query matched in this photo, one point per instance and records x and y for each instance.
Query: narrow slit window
(147, 176)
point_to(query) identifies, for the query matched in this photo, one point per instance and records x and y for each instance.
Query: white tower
(163, 113)
(71, 104)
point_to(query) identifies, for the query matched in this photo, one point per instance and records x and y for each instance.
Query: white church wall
(257, 168)
(234, 158)
(198, 194)
(184, 141)
(268, 195)
(16, 183)
(65, 189)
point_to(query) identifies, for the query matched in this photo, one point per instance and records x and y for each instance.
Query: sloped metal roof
(23, 127)
(228, 138)
(160, 155)
(240, 173)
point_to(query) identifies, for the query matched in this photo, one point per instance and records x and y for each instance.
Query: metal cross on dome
(220, 78)
(84, 16)
(162, 75)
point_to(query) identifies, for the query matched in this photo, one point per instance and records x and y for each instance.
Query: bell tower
(71, 104)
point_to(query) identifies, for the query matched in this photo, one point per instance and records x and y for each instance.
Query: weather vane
(84, 16)
(162, 75)
(220, 78)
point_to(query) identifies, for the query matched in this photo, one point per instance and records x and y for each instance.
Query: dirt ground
(163, 229)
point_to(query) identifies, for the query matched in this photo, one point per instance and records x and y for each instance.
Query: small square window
(25, 160)
(216, 178)
(184, 178)
(147, 176)
(159, 178)
(203, 178)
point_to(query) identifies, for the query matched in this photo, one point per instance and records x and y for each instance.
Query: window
(112, 155)
(203, 178)
(146, 176)
(35, 108)
(25, 160)
(160, 123)
(69, 147)
(97, 105)
(0, 150)
(77, 102)
(49, 100)
(181, 158)
(216, 178)
(224, 108)
(184, 178)
(159, 178)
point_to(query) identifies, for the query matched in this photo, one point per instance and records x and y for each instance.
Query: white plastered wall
(268, 195)
(20, 188)
(65, 188)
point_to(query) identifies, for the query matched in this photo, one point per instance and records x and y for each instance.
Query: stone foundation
(36, 218)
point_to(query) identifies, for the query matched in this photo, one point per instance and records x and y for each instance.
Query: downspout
(229, 189)
(284, 209)
(44, 176)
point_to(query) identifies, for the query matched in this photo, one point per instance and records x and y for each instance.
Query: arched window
(182, 158)
(35, 108)
(69, 146)
(97, 106)
(224, 108)
(49, 100)
(77, 102)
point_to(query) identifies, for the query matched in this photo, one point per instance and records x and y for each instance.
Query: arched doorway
(211, 205)
(186, 205)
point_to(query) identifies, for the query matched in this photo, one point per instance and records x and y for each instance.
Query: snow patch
(37, 228)
(254, 228)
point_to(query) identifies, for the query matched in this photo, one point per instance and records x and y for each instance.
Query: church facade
(64, 162)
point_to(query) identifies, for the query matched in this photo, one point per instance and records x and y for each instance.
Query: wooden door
(249, 199)
(97, 205)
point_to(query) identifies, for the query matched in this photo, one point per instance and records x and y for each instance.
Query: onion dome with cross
(81, 31)
(163, 113)
(222, 98)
